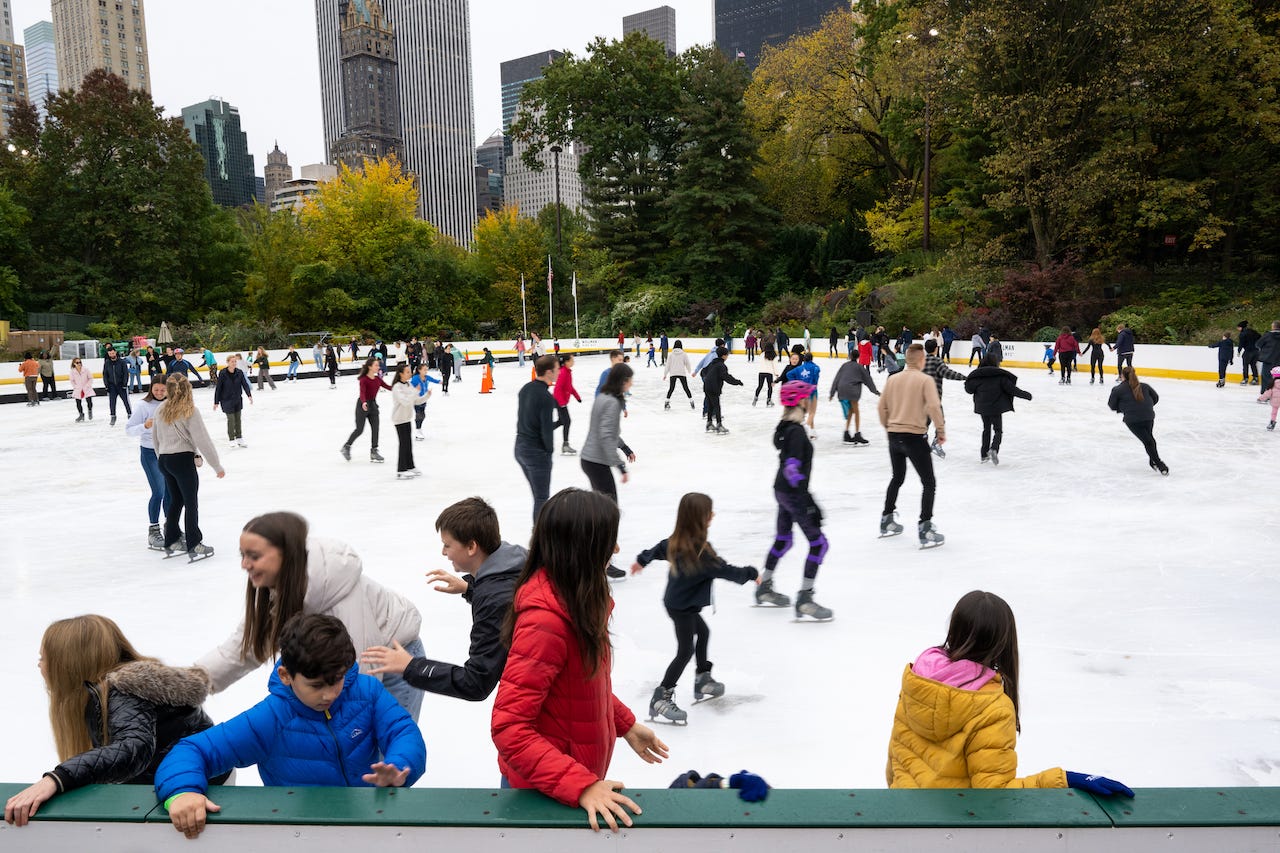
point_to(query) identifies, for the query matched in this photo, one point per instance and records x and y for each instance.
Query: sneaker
(614, 573)
(806, 606)
(929, 535)
(663, 705)
(375, 456)
(889, 527)
(346, 452)
(240, 443)
(995, 457)
(705, 686)
(766, 596)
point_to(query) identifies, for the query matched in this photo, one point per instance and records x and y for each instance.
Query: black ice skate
(929, 535)
(663, 705)
(767, 597)
(889, 527)
(706, 687)
(806, 606)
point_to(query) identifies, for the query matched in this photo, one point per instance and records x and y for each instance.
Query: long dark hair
(617, 379)
(688, 543)
(266, 610)
(1131, 377)
(573, 539)
(984, 631)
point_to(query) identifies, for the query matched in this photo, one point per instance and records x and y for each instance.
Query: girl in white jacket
(291, 572)
(404, 396)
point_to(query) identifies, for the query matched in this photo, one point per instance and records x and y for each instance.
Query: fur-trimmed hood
(180, 687)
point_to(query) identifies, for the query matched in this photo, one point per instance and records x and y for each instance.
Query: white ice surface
(1146, 605)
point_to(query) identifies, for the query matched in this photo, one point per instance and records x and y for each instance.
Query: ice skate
(566, 450)
(995, 458)
(937, 450)
(929, 535)
(859, 440)
(199, 552)
(806, 606)
(767, 597)
(346, 452)
(375, 456)
(155, 539)
(666, 406)
(663, 705)
(706, 687)
(889, 527)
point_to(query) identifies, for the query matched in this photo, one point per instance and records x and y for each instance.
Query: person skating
(1247, 347)
(1226, 356)
(936, 368)
(714, 377)
(694, 565)
(907, 404)
(993, 390)
(563, 392)
(1136, 402)
(848, 384)
(367, 408)
(180, 439)
(676, 370)
(795, 504)
(536, 429)
(115, 378)
(139, 425)
(229, 392)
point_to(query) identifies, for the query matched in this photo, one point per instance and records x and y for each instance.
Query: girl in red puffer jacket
(555, 719)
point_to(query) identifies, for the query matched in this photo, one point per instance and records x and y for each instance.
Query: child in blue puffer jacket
(318, 700)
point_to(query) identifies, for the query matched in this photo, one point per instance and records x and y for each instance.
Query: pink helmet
(794, 392)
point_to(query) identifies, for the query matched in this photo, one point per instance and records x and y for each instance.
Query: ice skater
(974, 675)
(563, 392)
(677, 370)
(907, 404)
(181, 439)
(139, 425)
(1136, 402)
(1272, 395)
(371, 382)
(714, 377)
(694, 564)
(850, 379)
(229, 391)
(1226, 356)
(993, 390)
(795, 505)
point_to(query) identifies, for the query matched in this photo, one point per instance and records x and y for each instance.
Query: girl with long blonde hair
(182, 444)
(115, 713)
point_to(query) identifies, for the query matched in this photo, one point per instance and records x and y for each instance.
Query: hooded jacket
(993, 390)
(150, 707)
(336, 586)
(489, 593)
(294, 745)
(947, 736)
(554, 725)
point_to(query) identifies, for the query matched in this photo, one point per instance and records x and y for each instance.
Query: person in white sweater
(677, 370)
(291, 572)
(181, 440)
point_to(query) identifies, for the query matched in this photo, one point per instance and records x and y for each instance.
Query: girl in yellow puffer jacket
(957, 721)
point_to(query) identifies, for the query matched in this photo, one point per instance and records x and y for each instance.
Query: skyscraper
(275, 174)
(228, 165)
(744, 27)
(658, 24)
(370, 94)
(433, 72)
(108, 34)
(42, 65)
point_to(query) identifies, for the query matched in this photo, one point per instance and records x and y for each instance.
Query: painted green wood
(113, 803)
(1196, 807)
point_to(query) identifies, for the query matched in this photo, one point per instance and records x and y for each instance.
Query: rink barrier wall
(319, 820)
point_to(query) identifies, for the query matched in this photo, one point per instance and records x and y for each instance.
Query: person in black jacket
(1136, 401)
(1268, 354)
(115, 713)
(1247, 347)
(714, 376)
(535, 429)
(229, 392)
(993, 390)
(115, 377)
(694, 565)
(490, 567)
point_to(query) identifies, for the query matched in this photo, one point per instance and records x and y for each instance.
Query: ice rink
(1146, 606)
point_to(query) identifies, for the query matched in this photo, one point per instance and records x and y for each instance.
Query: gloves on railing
(1100, 785)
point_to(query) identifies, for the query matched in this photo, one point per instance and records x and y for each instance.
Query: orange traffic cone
(486, 384)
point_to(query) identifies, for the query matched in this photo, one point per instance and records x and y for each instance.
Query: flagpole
(524, 308)
(551, 308)
(577, 340)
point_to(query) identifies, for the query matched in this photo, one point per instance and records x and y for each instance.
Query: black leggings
(992, 431)
(692, 637)
(361, 416)
(601, 477)
(765, 381)
(405, 462)
(182, 486)
(905, 446)
(1142, 429)
(564, 421)
(684, 382)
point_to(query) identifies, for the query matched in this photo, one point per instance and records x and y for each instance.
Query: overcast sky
(260, 55)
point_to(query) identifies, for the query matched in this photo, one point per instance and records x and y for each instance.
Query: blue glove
(1100, 785)
(751, 787)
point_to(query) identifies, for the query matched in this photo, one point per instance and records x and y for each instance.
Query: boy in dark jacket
(714, 376)
(1226, 355)
(469, 531)
(848, 384)
(323, 724)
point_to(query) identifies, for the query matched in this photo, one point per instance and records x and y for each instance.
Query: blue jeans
(409, 697)
(155, 479)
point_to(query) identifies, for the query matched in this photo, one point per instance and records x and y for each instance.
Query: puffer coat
(553, 724)
(150, 707)
(950, 737)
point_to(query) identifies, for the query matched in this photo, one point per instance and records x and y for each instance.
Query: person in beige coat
(907, 404)
(290, 572)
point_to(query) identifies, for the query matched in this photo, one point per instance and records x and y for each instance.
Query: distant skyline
(262, 57)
